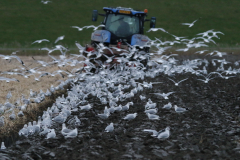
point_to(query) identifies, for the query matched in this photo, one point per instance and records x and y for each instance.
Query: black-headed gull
(191, 24)
(109, 128)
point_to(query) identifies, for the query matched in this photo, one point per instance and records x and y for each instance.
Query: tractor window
(122, 25)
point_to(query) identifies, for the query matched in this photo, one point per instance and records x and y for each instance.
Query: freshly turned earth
(210, 129)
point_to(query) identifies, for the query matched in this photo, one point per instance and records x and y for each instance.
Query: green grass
(25, 21)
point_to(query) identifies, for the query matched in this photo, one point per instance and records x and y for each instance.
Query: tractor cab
(122, 24)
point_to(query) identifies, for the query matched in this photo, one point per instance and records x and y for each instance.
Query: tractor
(122, 30)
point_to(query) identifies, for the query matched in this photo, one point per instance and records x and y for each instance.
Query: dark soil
(210, 129)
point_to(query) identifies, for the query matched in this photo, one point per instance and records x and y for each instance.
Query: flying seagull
(45, 2)
(79, 28)
(95, 27)
(191, 24)
(40, 41)
(8, 79)
(156, 29)
(59, 38)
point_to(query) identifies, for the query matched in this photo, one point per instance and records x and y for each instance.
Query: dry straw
(23, 88)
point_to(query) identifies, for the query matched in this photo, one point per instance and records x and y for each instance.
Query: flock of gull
(113, 86)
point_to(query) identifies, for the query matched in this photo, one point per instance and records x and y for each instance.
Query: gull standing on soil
(20, 113)
(40, 41)
(162, 134)
(152, 116)
(12, 116)
(151, 111)
(36, 127)
(168, 106)
(9, 95)
(142, 97)
(165, 134)
(104, 115)
(154, 133)
(68, 133)
(86, 107)
(45, 131)
(130, 116)
(3, 146)
(51, 134)
(190, 24)
(109, 128)
(180, 109)
(23, 131)
(72, 134)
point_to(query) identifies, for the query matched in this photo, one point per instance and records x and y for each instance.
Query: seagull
(109, 128)
(79, 28)
(130, 116)
(201, 52)
(68, 133)
(104, 115)
(10, 57)
(142, 97)
(151, 111)
(36, 127)
(51, 134)
(8, 79)
(3, 147)
(152, 116)
(162, 134)
(176, 37)
(177, 83)
(9, 95)
(86, 107)
(154, 133)
(40, 41)
(165, 134)
(59, 38)
(164, 95)
(12, 116)
(190, 24)
(168, 106)
(156, 29)
(37, 79)
(45, 2)
(72, 134)
(49, 50)
(20, 113)
(180, 109)
(23, 131)
(95, 27)
(207, 78)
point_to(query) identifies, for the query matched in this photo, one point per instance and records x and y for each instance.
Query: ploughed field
(209, 128)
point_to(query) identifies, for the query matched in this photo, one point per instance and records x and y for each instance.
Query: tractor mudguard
(102, 36)
(139, 40)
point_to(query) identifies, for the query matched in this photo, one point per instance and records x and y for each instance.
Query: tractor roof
(122, 10)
